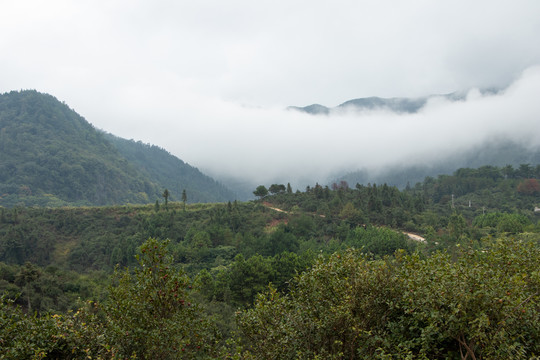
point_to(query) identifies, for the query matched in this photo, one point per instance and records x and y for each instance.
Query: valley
(245, 259)
(111, 248)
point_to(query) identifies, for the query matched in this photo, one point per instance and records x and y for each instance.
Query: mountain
(314, 109)
(396, 104)
(399, 105)
(497, 152)
(51, 156)
(171, 173)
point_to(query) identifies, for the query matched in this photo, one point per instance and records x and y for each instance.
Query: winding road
(411, 236)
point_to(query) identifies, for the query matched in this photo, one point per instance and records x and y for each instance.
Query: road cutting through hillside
(411, 236)
(415, 237)
(268, 205)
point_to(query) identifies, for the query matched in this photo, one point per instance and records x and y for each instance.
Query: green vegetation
(53, 157)
(484, 304)
(325, 273)
(148, 314)
(170, 172)
(497, 152)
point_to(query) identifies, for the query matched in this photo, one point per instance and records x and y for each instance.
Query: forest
(51, 157)
(325, 272)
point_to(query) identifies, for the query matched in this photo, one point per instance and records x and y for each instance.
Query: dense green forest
(51, 156)
(326, 272)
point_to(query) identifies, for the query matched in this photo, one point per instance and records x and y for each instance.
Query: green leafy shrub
(484, 304)
(151, 314)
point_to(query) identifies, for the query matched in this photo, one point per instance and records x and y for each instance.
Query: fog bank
(265, 145)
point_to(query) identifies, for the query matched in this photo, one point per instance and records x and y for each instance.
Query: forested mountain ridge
(171, 172)
(51, 156)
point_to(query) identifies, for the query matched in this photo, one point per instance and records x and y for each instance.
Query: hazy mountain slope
(51, 156)
(495, 153)
(314, 109)
(397, 104)
(171, 173)
(393, 104)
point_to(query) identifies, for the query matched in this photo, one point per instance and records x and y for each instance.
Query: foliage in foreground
(482, 303)
(149, 314)
(485, 304)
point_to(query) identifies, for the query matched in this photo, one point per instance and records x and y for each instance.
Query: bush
(484, 304)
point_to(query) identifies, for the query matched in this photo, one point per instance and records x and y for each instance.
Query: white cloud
(267, 144)
(209, 80)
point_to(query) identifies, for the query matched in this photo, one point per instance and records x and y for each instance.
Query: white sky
(209, 80)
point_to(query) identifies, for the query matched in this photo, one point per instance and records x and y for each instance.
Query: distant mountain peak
(398, 105)
(395, 104)
(314, 109)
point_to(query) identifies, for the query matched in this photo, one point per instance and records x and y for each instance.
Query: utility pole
(452, 201)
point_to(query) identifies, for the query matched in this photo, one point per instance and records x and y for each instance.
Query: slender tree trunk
(470, 351)
(28, 298)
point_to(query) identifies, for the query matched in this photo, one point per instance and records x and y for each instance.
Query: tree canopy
(51, 156)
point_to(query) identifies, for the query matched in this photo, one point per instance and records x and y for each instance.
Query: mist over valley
(370, 140)
(445, 133)
(270, 179)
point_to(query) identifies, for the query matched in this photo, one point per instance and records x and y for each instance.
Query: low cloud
(176, 74)
(265, 145)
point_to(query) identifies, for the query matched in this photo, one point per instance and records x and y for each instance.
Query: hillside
(320, 219)
(171, 172)
(51, 156)
(396, 104)
(496, 152)
(480, 223)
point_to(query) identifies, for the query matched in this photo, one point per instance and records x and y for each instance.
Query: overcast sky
(209, 80)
